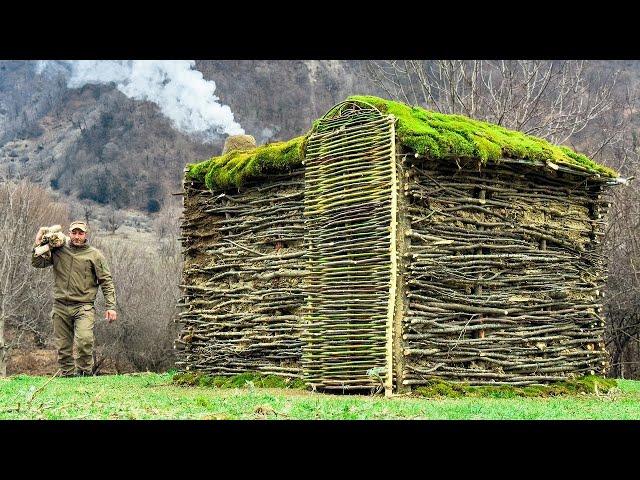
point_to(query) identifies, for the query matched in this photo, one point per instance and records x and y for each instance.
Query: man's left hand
(110, 315)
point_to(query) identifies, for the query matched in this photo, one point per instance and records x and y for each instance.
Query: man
(78, 270)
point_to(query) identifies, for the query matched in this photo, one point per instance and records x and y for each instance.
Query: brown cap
(78, 224)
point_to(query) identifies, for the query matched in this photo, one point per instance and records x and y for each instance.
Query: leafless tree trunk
(115, 219)
(13, 208)
(24, 207)
(166, 227)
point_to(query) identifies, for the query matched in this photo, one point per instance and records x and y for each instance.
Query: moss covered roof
(435, 135)
(235, 167)
(441, 136)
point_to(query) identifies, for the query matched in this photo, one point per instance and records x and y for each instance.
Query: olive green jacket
(77, 272)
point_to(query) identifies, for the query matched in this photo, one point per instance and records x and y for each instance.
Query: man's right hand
(40, 234)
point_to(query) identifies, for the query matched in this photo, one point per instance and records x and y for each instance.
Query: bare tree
(166, 227)
(146, 277)
(24, 293)
(114, 220)
(549, 99)
(622, 244)
(87, 211)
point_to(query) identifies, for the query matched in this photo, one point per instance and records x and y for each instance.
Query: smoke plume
(180, 91)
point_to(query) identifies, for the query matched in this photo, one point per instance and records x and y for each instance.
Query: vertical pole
(388, 386)
(402, 247)
(478, 289)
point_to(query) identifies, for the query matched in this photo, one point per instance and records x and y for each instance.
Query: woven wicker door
(350, 221)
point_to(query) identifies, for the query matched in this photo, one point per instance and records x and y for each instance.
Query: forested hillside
(97, 144)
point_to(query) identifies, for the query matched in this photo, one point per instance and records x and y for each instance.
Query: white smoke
(180, 91)
(267, 134)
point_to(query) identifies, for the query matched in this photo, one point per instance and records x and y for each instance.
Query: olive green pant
(73, 325)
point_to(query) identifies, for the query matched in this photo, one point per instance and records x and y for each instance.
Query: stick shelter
(391, 245)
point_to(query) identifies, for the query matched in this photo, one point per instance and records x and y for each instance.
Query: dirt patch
(32, 362)
(43, 362)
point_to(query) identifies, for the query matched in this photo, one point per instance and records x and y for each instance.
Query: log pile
(503, 273)
(242, 292)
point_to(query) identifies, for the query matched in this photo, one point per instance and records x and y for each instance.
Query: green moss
(437, 135)
(441, 136)
(441, 388)
(591, 384)
(236, 167)
(242, 380)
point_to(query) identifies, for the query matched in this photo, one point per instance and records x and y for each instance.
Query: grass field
(156, 396)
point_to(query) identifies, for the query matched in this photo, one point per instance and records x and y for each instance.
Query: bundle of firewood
(51, 237)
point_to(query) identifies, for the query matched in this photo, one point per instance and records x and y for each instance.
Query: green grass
(156, 396)
(255, 380)
(589, 384)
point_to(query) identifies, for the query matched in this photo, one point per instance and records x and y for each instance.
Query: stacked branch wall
(242, 278)
(503, 274)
